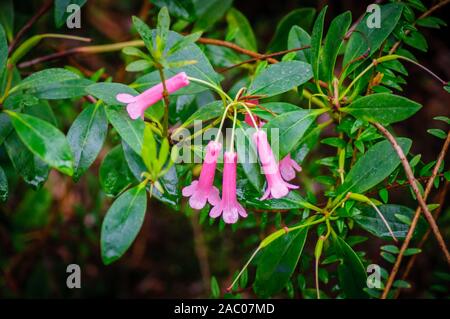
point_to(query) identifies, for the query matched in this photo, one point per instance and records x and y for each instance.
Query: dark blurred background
(43, 231)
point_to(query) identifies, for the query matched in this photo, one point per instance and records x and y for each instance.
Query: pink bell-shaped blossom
(288, 167)
(276, 186)
(203, 190)
(229, 207)
(139, 103)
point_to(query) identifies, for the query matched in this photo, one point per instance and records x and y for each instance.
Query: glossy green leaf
(291, 129)
(302, 17)
(351, 272)
(144, 31)
(209, 12)
(370, 220)
(292, 201)
(209, 111)
(373, 167)
(44, 78)
(3, 186)
(333, 42)
(3, 52)
(61, 90)
(33, 170)
(132, 131)
(114, 174)
(279, 78)
(44, 140)
(179, 8)
(5, 127)
(278, 262)
(369, 38)
(299, 38)
(122, 223)
(382, 107)
(316, 42)
(86, 137)
(7, 18)
(268, 111)
(241, 29)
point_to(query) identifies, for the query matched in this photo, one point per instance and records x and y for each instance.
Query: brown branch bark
(422, 205)
(45, 7)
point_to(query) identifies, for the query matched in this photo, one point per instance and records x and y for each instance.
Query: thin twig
(45, 7)
(436, 213)
(422, 205)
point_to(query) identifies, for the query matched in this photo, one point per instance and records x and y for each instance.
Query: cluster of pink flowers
(203, 190)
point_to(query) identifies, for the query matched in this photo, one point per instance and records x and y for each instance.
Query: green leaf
(247, 155)
(3, 186)
(122, 223)
(302, 17)
(33, 170)
(371, 221)
(373, 167)
(61, 13)
(7, 18)
(292, 201)
(149, 150)
(239, 26)
(333, 42)
(185, 41)
(114, 174)
(61, 90)
(281, 77)
(144, 31)
(267, 109)
(163, 27)
(44, 78)
(209, 12)
(44, 140)
(316, 42)
(369, 38)
(209, 111)
(416, 40)
(3, 52)
(278, 262)
(86, 137)
(107, 92)
(131, 131)
(351, 272)
(183, 9)
(138, 66)
(291, 129)
(299, 38)
(438, 133)
(215, 289)
(382, 107)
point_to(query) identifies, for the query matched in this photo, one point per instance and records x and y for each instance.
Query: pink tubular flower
(276, 186)
(138, 104)
(203, 190)
(288, 167)
(229, 207)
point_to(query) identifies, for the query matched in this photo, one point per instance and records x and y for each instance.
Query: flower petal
(198, 200)
(214, 197)
(190, 189)
(125, 98)
(230, 215)
(216, 211)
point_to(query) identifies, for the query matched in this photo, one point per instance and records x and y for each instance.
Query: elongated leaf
(367, 38)
(281, 77)
(33, 170)
(241, 29)
(205, 113)
(145, 32)
(316, 42)
(299, 38)
(122, 223)
(247, 156)
(132, 131)
(292, 201)
(371, 221)
(3, 186)
(302, 17)
(351, 272)
(108, 91)
(291, 128)
(114, 174)
(209, 12)
(45, 78)
(268, 111)
(44, 140)
(3, 51)
(178, 8)
(86, 137)
(278, 261)
(333, 42)
(373, 167)
(7, 17)
(382, 107)
(61, 90)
